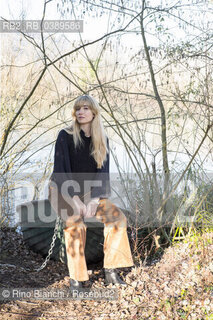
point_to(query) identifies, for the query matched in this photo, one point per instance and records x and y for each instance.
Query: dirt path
(179, 286)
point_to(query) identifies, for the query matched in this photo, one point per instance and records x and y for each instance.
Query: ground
(177, 285)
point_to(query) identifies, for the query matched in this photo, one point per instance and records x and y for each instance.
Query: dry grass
(177, 286)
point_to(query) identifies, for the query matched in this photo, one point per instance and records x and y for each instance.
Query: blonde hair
(98, 136)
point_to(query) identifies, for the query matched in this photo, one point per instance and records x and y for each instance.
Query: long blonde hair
(99, 139)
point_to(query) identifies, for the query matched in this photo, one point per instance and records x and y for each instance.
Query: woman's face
(84, 114)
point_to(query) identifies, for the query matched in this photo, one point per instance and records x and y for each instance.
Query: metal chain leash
(57, 223)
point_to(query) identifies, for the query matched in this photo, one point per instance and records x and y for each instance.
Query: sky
(93, 28)
(33, 10)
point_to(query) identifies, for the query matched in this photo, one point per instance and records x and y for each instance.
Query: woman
(79, 189)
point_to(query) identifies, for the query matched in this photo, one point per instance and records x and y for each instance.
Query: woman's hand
(92, 208)
(79, 207)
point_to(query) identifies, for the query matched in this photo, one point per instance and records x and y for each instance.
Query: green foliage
(188, 213)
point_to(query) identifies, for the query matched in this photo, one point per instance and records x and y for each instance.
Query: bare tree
(140, 86)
